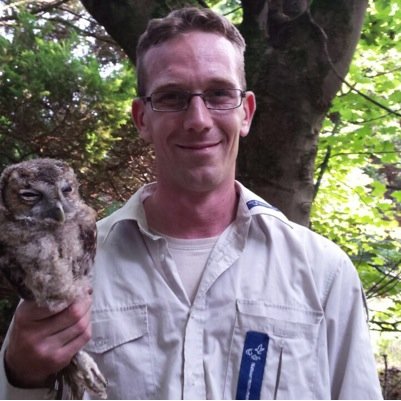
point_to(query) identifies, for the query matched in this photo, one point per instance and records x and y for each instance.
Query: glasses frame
(190, 95)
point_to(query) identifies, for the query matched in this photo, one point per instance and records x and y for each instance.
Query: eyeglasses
(215, 99)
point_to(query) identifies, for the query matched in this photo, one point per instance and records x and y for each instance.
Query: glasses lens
(223, 99)
(169, 100)
(215, 99)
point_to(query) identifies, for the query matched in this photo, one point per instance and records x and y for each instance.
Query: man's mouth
(198, 146)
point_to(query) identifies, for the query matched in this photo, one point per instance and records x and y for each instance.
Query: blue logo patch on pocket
(252, 366)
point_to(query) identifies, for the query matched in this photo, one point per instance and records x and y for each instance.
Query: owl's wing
(87, 234)
(13, 272)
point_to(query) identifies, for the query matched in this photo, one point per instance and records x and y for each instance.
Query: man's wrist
(16, 381)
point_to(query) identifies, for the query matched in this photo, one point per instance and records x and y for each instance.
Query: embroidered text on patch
(252, 366)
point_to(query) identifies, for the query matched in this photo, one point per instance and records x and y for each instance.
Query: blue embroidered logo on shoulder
(253, 203)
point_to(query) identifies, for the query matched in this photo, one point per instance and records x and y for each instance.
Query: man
(202, 289)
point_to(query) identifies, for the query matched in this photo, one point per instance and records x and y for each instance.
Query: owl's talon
(88, 375)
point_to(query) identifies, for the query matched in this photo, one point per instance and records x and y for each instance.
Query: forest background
(325, 146)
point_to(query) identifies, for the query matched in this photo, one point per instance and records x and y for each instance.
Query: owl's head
(39, 190)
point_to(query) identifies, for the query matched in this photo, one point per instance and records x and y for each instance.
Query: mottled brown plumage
(47, 247)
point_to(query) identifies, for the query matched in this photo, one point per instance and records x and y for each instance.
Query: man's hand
(43, 342)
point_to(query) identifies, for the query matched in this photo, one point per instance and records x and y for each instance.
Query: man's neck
(184, 214)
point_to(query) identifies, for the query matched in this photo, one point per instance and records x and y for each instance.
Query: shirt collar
(132, 210)
(255, 205)
(250, 205)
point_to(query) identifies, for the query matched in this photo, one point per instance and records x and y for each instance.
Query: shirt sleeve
(352, 365)
(9, 392)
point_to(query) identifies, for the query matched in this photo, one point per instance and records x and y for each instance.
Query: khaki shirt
(278, 314)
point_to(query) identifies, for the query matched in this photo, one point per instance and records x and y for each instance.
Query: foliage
(58, 101)
(230, 8)
(64, 95)
(358, 186)
(66, 89)
(359, 164)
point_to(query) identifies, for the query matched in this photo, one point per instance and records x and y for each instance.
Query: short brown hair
(180, 21)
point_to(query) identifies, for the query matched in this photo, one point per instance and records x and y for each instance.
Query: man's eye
(67, 189)
(221, 96)
(220, 93)
(169, 97)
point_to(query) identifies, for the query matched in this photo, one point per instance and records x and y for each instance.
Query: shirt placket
(194, 381)
(193, 385)
(221, 259)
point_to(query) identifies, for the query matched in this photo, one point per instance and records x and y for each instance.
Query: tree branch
(338, 75)
(373, 152)
(15, 5)
(386, 326)
(102, 38)
(382, 286)
(203, 3)
(233, 11)
(323, 168)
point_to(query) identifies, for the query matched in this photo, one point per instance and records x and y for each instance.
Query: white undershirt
(190, 256)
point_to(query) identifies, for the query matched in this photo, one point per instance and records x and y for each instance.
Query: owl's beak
(56, 213)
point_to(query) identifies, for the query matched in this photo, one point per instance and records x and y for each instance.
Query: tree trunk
(295, 56)
(125, 20)
(291, 66)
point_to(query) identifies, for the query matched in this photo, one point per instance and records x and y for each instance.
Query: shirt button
(100, 341)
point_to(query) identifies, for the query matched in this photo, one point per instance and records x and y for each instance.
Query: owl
(47, 247)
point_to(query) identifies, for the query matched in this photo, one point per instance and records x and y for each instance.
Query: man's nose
(197, 116)
(192, 95)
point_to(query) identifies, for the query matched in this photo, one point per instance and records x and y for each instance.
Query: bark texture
(296, 56)
(292, 64)
(125, 20)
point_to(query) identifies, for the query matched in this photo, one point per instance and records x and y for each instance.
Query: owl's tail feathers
(81, 375)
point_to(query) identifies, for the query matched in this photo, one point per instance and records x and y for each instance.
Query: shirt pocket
(291, 361)
(120, 345)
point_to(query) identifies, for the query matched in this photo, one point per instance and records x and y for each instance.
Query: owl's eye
(30, 195)
(67, 189)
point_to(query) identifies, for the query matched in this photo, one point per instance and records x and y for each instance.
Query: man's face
(195, 149)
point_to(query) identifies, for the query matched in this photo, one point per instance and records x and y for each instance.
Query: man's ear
(249, 105)
(138, 117)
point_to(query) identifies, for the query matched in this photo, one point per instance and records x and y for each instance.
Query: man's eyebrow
(223, 83)
(218, 83)
(169, 86)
